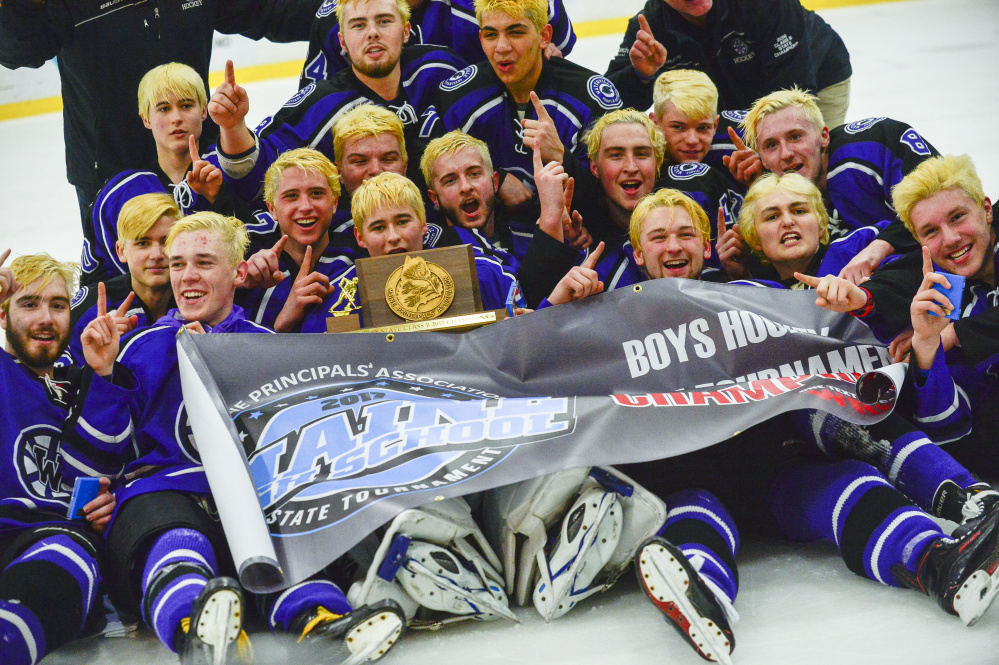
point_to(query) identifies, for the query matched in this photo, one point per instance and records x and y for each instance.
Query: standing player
(452, 24)
(382, 72)
(50, 576)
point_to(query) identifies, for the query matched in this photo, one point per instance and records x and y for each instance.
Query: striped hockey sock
(22, 640)
(282, 608)
(178, 566)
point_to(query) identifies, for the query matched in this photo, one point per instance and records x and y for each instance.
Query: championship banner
(311, 442)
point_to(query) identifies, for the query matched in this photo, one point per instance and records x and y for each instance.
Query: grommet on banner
(390, 337)
(638, 288)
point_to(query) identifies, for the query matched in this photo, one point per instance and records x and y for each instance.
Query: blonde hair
(367, 120)
(230, 231)
(535, 11)
(778, 101)
(140, 213)
(309, 160)
(935, 175)
(449, 144)
(173, 77)
(691, 92)
(769, 183)
(595, 134)
(383, 190)
(667, 198)
(401, 6)
(26, 269)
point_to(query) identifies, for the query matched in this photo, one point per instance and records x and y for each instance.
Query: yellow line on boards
(292, 68)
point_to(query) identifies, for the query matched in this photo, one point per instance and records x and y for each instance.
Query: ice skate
(960, 573)
(364, 635)
(968, 505)
(676, 589)
(586, 541)
(443, 580)
(213, 634)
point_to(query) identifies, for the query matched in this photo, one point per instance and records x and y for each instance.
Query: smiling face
(203, 280)
(788, 231)
(687, 139)
(146, 256)
(303, 206)
(625, 164)
(464, 188)
(787, 142)
(391, 229)
(373, 32)
(670, 245)
(173, 120)
(957, 232)
(514, 48)
(366, 156)
(36, 323)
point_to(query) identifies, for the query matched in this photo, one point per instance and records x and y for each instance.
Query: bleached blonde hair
(230, 231)
(595, 134)
(175, 77)
(667, 198)
(367, 120)
(767, 184)
(401, 6)
(385, 189)
(935, 175)
(535, 11)
(26, 269)
(307, 159)
(449, 144)
(140, 213)
(778, 101)
(690, 91)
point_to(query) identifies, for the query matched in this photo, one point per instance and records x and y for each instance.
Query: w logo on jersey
(185, 436)
(36, 453)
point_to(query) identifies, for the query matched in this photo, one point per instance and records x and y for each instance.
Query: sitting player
(382, 72)
(854, 166)
(50, 571)
(452, 24)
(143, 225)
(173, 105)
(166, 547)
(389, 218)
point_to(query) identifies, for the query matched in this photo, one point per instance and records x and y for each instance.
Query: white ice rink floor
(932, 63)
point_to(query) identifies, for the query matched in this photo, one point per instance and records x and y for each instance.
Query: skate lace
(323, 615)
(974, 506)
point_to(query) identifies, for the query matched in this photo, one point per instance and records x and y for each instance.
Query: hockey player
(50, 571)
(452, 24)
(749, 49)
(519, 98)
(166, 546)
(143, 225)
(173, 106)
(854, 166)
(382, 72)
(389, 218)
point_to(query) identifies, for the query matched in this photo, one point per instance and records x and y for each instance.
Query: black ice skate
(961, 573)
(678, 591)
(213, 634)
(966, 506)
(364, 635)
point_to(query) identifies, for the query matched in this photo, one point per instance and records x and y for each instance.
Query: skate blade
(665, 582)
(372, 638)
(219, 623)
(484, 599)
(975, 596)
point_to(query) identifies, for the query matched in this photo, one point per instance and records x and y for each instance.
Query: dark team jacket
(305, 120)
(33, 487)
(99, 260)
(866, 159)
(84, 310)
(450, 23)
(749, 48)
(475, 101)
(104, 48)
(137, 419)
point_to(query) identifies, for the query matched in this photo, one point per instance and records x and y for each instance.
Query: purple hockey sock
(284, 607)
(22, 640)
(705, 532)
(177, 567)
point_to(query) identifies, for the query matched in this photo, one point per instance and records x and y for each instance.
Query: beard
(375, 70)
(42, 359)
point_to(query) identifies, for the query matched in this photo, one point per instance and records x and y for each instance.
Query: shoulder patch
(432, 235)
(734, 116)
(300, 96)
(87, 261)
(861, 125)
(327, 8)
(459, 79)
(687, 170)
(603, 92)
(80, 296)
(916, 143)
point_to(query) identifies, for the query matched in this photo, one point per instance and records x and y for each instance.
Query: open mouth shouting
(631, 187)
(471, 207)
(790, 238)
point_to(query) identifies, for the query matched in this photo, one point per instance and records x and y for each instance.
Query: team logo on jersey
(406, 113)
(36, 453)
(184, 436)
(300, 96)
(80, 296)
(184, 196)
(687, 170)
(739, 47)
(432, 235)
(861, 125)
(603, 92)
(459, 79)
(327, 8)
(734, 116)
(263, 223)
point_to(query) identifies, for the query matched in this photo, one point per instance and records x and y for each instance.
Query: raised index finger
(538, 164)
(927, 262)
(102, 299)
(193, 145)
(3, 257)
(306, 267)
(643, 23)
(722, 222)
(539, 107)
(230, 73)
(594, 257)
(734, 135)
